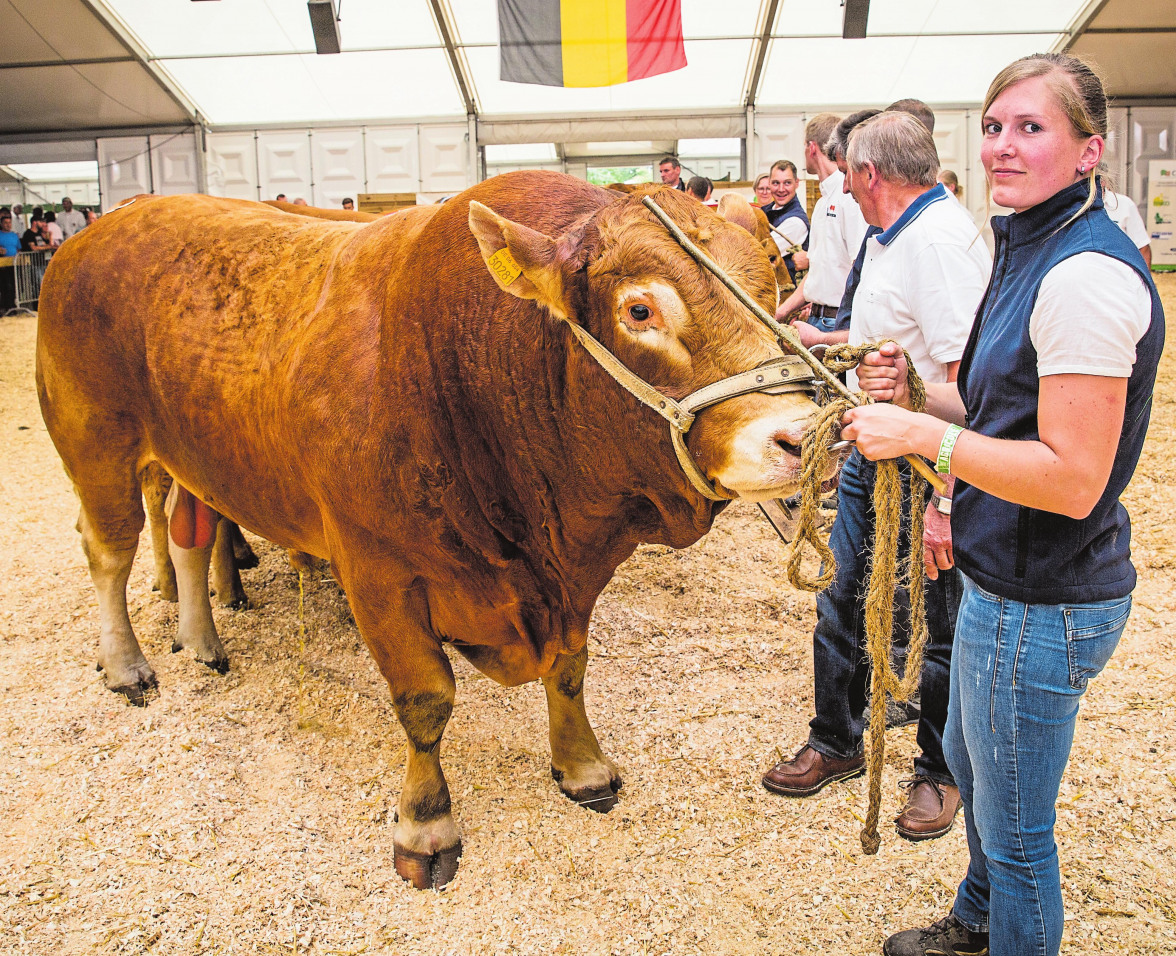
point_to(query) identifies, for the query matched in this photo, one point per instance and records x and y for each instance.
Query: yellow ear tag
(504, 266)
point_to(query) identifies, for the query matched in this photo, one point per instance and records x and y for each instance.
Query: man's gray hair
(900, 148)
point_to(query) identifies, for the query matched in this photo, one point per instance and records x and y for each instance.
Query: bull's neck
(547, 455)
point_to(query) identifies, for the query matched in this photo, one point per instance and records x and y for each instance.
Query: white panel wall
(393, 159)
(283, 164)
(776, 137)
(232, 165)
(123, 169)
(1117, 154)
(337, 161)
(173, 165)
(445, 159)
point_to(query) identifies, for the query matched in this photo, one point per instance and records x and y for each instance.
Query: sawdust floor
(252, 813)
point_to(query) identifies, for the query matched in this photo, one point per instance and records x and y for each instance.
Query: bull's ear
(523, 262)
(735, 209)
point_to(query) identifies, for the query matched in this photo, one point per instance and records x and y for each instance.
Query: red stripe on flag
(655, 37)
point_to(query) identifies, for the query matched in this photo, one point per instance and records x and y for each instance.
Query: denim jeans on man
(1017, 674)
(841, 665)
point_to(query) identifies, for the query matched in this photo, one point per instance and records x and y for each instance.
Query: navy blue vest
(1020, 553)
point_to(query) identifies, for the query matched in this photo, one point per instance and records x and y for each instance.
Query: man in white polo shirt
(922, 278)
(1125, 214)
(835, 235)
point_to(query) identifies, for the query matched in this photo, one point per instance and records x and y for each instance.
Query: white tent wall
(324, 165)
(124, 169)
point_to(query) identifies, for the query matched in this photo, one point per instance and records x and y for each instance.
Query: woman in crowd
(763, 191)
(951, 182)
(1055, 387)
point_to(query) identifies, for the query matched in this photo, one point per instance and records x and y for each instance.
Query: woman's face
(1030, 150)
(763, 191)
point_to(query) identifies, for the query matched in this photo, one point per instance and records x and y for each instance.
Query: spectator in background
(91, 216)
(1125, 214)
(9, 240)
(71, 220)
(670, 171)
(280, 197)
(51, 231)
(835, 238)
(763, 189)
(917, 108)
(299, 201)
(19, 223)
(787, 215)
(700, 188)
(38, 213)
(951, 182)
(349, 204)
(33, 239)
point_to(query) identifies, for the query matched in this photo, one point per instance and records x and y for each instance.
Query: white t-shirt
(922, 281)
(54, 232)
(1125, 214)
(835, 237)
(71, 222)
(1090, 311)
(795, 232)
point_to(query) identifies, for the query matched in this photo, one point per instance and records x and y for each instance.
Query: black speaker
(325, 26)
(853, 26)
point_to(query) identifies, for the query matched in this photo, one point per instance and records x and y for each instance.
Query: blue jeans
(1017, 674)
(823, 323)
(841, 665)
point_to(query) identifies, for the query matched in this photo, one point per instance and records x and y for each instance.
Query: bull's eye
(640, 313)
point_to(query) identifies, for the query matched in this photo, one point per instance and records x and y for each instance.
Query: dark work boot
(948, 937)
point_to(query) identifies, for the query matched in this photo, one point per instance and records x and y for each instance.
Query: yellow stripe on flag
(595, 35)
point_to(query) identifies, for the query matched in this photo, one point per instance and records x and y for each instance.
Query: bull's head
(622, 277)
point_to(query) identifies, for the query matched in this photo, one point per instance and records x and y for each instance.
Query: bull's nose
(790, 435)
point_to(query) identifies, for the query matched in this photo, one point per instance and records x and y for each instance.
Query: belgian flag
(589, 42)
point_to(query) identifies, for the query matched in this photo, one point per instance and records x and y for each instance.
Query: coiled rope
(886, 577)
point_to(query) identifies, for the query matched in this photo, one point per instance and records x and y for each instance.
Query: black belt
(823, 311)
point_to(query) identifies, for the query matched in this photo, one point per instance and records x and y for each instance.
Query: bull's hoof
(599, 798)
(221, 666)
(167, 591)
(427, 871)
(219, 663)
(137, 692)
(235, 602)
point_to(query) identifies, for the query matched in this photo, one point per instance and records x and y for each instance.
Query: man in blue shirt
(9, 240)
(9, 246)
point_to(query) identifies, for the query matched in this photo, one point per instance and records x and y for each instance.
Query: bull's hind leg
(226, 579)
(582, 771)
(196, 630)
(110, 521)
(156, 484)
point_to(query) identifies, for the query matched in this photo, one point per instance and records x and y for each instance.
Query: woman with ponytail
(1042, 430)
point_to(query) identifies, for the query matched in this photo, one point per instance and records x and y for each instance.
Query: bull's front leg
(582, 771)
(426, 841)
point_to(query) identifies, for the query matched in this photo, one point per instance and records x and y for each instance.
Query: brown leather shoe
(811, 771)
(930, 809)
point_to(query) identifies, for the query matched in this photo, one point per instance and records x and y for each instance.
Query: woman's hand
(883, 375)
(887, 431)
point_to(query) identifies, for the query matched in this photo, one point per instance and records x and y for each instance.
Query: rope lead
(885, 575)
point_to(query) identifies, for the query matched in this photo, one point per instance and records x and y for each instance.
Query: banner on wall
(1161, 213)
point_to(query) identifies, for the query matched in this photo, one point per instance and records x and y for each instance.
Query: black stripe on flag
(530, 44)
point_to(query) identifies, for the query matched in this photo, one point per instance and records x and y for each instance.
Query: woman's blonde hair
(949, 178)
(1079, 91)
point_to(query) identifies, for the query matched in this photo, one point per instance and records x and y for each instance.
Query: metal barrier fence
(30, 267)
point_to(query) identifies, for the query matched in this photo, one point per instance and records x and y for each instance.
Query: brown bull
(373, 395)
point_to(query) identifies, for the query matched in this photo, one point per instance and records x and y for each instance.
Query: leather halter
(788, 373)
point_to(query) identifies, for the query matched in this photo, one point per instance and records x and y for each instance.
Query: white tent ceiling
(86, 64)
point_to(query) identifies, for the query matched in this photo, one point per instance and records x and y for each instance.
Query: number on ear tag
(504, 266)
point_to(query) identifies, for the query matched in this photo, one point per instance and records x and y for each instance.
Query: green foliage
(603, 175)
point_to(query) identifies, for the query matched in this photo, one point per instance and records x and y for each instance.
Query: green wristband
(946, 447)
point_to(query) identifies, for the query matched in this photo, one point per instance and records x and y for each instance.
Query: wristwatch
(941, 504)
